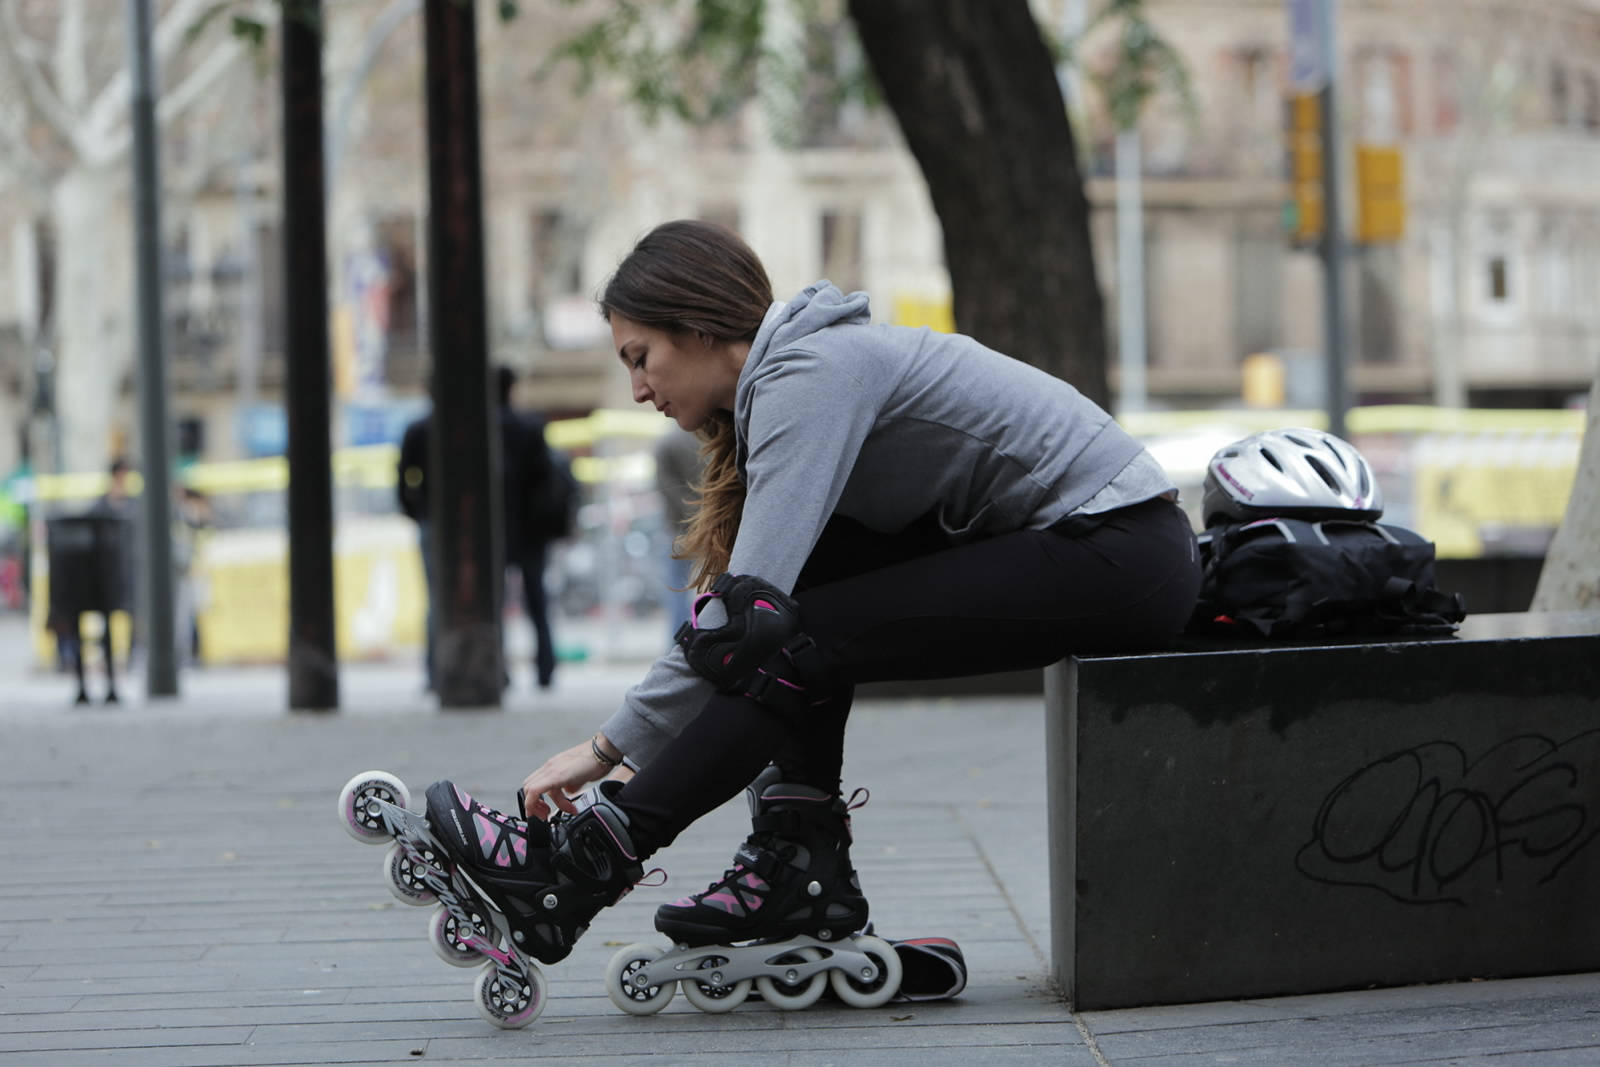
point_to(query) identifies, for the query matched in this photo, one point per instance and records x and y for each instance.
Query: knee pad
(760, 651)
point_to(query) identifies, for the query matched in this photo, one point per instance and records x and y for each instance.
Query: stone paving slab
(178, 892)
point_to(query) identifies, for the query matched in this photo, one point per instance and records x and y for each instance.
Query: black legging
(906, 606)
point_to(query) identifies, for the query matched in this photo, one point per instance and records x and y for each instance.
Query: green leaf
(249, 29)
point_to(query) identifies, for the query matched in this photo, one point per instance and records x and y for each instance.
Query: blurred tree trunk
(1570, 580)
(974, 89)
(464, 444)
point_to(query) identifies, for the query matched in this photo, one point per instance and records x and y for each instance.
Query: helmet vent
(1323, 472)
(1266, 454)
(1301, 441)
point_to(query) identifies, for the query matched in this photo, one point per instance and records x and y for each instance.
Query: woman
(879, 503)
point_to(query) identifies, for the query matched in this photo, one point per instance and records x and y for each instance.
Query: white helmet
(1293, 472)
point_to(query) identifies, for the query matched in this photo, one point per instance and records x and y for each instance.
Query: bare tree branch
(32, 47)
(35, 86)
(22, 162)
(174, 27)
(174, 102)
(110, 107)
(70, 64)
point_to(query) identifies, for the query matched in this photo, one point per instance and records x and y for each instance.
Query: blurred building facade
(1495, 107)
(1489, 297)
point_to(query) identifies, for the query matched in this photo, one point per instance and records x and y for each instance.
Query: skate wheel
(405, 878)
(510, 1002)
(361, 822)
(712, 998)
(794, 996)
(449, 940)
(620, 988)
(858, 993)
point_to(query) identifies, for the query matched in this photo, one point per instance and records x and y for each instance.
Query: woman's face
(686, 377)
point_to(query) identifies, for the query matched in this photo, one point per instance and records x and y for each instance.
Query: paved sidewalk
(177, 891)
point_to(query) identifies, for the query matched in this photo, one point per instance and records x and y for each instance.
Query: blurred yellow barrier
(1473, 481)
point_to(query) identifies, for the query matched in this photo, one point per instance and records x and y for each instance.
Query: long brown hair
(698, 278)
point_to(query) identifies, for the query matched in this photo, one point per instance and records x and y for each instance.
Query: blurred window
(721, 214)
(1384, 99)
(1446, 94)
(1560, 96)
(1441, 267)
(1499, 287)
(558, 240)
(841, 249)
(397, 243)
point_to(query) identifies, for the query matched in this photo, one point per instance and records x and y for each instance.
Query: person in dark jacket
(411, 490)
(525, 467)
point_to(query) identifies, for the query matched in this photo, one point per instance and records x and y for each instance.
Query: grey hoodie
(885, 425)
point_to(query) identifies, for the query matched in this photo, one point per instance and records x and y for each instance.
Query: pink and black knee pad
(760, 651)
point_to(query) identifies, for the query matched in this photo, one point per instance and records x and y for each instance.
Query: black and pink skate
(467, 928)
(548, 880)
(783, 920)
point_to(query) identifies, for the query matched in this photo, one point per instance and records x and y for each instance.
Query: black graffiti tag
(1427, 826)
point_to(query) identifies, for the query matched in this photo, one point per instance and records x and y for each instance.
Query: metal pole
(1130, 275)
(155, 511)
(313, 654)
(1338, 400)
(464, 442)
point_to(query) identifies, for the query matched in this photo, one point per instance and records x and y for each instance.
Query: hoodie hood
(818, 305)
(788, 324)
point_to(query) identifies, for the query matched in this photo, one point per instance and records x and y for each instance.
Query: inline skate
(511, 893)
(784, 918)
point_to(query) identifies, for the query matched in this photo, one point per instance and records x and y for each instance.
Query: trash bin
(91, 560)
(90, 556)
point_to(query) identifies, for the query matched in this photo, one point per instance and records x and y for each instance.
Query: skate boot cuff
(596, 846)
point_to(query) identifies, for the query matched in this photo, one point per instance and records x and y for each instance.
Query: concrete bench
(1230, 821)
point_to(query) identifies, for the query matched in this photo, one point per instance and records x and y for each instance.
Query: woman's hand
(564, 773)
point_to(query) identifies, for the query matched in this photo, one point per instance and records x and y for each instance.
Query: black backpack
(1295, 578)
(553, 509)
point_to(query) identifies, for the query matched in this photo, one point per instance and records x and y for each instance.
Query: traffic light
(1380, 194)
(1303, 215)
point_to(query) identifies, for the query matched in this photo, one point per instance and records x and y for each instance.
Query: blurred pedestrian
(411, 491)
(527, 472)
(109, 581)
(191, 521)
(525, 468)
(678, 470)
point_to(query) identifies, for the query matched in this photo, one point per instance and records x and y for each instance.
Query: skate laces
(642, 884)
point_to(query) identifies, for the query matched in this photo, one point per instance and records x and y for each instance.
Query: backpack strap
(1407, 603)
